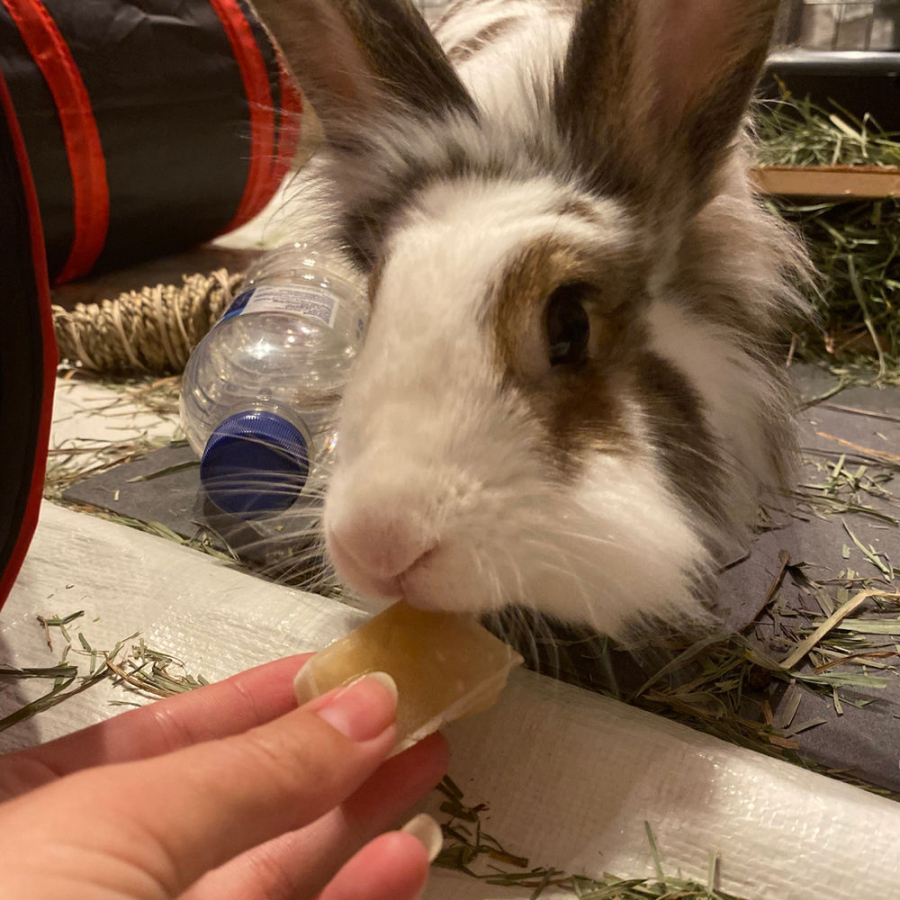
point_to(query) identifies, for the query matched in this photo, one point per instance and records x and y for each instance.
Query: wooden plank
(840, 182)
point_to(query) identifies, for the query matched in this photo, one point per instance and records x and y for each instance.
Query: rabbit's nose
(373, 548)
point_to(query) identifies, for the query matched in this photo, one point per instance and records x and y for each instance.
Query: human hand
(226, 792)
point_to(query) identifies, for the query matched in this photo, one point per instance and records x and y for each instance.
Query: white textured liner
(570, 777)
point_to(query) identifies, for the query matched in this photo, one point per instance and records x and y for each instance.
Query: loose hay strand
(477, 855)
(839, 615)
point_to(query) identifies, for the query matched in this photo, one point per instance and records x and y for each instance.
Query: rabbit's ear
(654, 93)
(357, 59)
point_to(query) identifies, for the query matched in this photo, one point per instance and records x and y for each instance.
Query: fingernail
(363, 709)
(428, 832)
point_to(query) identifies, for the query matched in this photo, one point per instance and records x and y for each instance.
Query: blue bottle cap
(255, 464)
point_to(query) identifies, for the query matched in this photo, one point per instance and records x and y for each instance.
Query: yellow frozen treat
(446, 666)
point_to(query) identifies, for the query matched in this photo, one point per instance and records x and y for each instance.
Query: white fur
(734, 391)
(502, 75)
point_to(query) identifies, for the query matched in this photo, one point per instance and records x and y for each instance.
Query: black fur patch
(406, 54)
(679, 433)
(368, 221)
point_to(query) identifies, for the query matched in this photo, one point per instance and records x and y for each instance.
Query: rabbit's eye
(568, 325)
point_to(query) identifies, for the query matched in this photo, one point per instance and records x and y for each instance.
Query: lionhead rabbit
(569, 396)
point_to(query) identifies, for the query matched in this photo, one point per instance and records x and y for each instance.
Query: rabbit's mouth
(378, 572)
(384, 568)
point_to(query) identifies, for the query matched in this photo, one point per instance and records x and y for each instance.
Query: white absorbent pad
(570, 777)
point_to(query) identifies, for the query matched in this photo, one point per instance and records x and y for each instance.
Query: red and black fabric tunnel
(27, 349)
(128, 130)
(151, 125)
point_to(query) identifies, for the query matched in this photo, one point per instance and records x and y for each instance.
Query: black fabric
(170, 107)
(40, 126)
(270, 57)
(172, 114)
(21, 351)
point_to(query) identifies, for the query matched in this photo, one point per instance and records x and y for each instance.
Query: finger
(228, 707)
(393, 867)
(172, 818)
(301, 863)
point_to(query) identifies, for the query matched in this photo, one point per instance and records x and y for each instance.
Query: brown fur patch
(580, 209)
(484, 38)
(579, 406)
(526, 284)
(582, 407)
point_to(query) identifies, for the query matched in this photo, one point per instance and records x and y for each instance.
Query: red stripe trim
(50, 51)
(262, 114)
(39, 264)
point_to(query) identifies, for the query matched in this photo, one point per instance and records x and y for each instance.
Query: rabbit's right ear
(359, 59)
(652, 94)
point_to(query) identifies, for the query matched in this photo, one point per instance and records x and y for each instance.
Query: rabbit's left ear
(654, 92)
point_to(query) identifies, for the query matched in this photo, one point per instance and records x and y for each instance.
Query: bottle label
(311, 302)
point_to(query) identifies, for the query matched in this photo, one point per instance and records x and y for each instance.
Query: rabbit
(570, 397)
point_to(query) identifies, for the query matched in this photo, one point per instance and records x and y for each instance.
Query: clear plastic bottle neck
(301, 262)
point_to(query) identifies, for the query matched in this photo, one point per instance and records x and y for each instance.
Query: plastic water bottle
(261, 390)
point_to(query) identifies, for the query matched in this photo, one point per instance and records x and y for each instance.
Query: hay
(469, 849)
(151, 331)
(855, 245)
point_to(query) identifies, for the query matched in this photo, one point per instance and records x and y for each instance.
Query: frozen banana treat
(446, 666)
